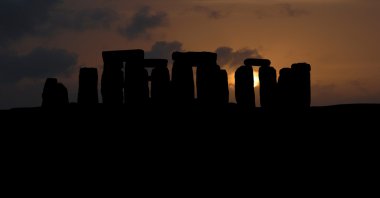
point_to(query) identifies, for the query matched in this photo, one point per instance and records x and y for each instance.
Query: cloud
(21, 18)
(280, 10)
(163, 49)
(143, 21)
(229, 58)
(211, 13)
(82, 19)
(39, 63)
(289, 10)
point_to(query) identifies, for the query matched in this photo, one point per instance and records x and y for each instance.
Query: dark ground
(322, 151)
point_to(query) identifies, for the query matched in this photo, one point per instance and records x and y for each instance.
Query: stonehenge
(291, 91)
(128, 78)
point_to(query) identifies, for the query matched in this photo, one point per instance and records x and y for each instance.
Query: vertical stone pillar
(88, 86)
(54, 94)
(302, 85)
(244, 90)
(160, 83)
(286, 88)
(182, 79)
(268, 87)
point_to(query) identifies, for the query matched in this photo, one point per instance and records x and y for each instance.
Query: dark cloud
(39, 63)
(82, 19)
(23, 17)
(163, 49)
(229, 58)
(211, 13)
(143, 21)
(20, 18)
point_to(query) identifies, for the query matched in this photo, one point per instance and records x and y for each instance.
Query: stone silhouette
(209, 78)
(136, 85)
(137, 81)
(301, 85)
(244, 90)
(125, 80)
(222, 88)
(294, 89)
(257, 62)
(112, 82)
(88, 86)
(268, 87)
(54, 94)
(160, 80)
(286, 88)
(268, 81)
(182, 79)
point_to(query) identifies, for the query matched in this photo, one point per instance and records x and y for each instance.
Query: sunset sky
(54, 38)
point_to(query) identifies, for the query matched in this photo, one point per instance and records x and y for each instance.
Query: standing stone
(62, 95)
(268, 87)
(88, 86)
(206, 75)
(222, 87)
(136, 84)
(54, 94)
(182, 79)
(160, 86)
(208, 79)
(244, 90)
(113, 78)
(49, 92)
(302, 89)
(286, 88)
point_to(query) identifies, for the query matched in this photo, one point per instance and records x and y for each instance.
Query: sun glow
(231, 79)
(256, 81)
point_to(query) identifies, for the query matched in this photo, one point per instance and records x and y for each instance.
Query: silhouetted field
(98, 147)
(194, 127)
(166, 118)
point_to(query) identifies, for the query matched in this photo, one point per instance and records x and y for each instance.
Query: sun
(256, 82)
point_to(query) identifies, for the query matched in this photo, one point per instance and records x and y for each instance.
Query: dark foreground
(177, 152)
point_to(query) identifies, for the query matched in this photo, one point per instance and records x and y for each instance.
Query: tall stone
(136, 84)
(286, 88)
(160, 83)
(222, 88)
(268, 87)
(206, 75)
(208, 79)
(244, 90)
(49, 92)
(88, 86)
(62, 95)
(302, 85)
(182, 79)
(113, 78)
